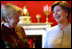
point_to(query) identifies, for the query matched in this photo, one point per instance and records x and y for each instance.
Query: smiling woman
(59, 36)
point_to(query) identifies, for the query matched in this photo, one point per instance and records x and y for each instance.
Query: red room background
(36, 7)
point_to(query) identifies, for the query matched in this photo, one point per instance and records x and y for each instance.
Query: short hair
(64, 5)
(10, 10)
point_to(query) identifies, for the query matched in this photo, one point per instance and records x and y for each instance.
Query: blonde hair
(10, 10)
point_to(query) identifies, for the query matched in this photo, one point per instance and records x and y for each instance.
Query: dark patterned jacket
(14, 38)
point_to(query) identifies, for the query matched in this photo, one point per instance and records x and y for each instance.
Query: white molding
(36, 29)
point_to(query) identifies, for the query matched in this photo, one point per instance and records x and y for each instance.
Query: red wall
(35, 7)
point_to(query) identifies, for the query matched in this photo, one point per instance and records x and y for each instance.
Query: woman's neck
(62, 25)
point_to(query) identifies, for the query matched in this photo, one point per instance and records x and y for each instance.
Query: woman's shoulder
(70, 26)
(53, 28)
(3, 28)
(19, 28)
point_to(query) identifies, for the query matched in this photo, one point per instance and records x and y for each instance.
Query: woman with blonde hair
(13, 36)
(59, 36)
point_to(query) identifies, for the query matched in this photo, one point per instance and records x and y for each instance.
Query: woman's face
(59, 14)
(13, 21)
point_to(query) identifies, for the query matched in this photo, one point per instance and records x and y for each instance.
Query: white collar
(6, 24)
(66, 27)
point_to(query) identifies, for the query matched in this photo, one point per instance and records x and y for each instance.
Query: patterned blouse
(14, 38)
